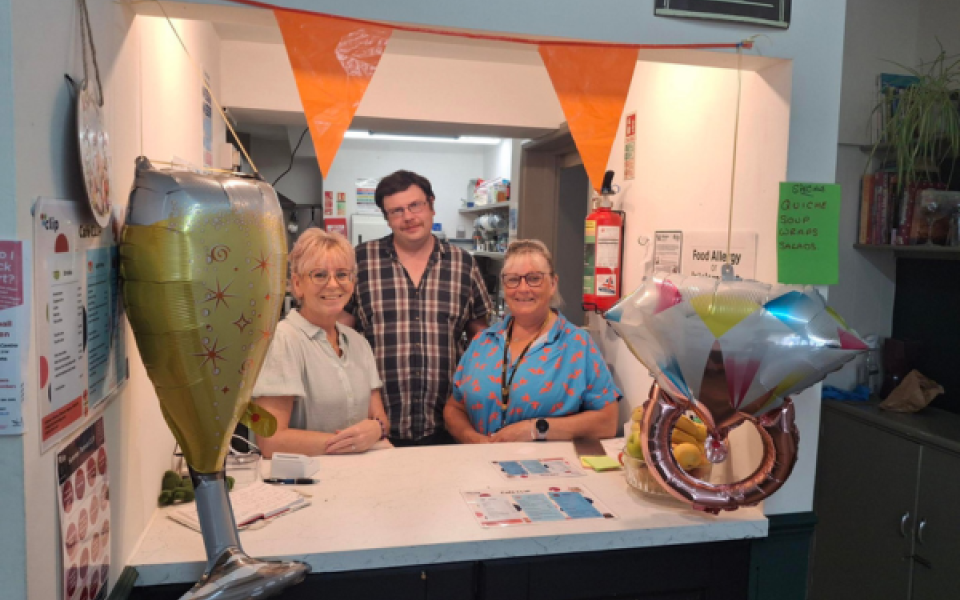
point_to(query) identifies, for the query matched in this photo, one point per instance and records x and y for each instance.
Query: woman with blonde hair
(534, 375)
(319, 378)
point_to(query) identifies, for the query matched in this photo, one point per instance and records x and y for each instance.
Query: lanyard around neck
(505, 384)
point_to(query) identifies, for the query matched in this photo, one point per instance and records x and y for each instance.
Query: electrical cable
(292, 156)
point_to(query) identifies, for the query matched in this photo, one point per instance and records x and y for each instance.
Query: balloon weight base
(236, 576)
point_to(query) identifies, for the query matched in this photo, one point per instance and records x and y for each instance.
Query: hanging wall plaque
(774, 13)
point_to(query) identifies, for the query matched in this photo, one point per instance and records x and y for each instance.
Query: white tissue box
(292, 466)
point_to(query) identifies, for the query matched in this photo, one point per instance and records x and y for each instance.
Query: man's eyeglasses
(415, 208)
(534, 279)
(322, 276)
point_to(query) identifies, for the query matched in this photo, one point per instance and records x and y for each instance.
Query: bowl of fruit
(687, 441)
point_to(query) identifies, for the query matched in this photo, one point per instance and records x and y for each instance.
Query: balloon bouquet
(729, 351)
(203, 262)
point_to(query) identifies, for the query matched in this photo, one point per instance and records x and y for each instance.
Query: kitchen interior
(470, 150)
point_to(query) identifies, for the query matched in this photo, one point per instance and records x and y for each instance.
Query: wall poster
(667, 251)
(207, 123)
(366, 204)
(84, 501)
(328, 204)
(81, 355)
(630, 148)
(14, 333)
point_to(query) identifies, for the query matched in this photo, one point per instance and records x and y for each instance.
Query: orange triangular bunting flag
(333, 61)
(592, 84)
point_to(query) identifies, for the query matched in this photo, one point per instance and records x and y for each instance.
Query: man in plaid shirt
(415, 297)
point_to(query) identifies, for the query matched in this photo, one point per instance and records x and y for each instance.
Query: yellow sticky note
(600, 463)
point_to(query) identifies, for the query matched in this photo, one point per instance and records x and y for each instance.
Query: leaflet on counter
(534, 504)
(536, 468)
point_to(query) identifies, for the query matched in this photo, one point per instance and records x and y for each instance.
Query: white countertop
(401, 507)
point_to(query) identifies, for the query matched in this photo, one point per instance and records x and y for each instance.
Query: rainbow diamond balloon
(747, 343)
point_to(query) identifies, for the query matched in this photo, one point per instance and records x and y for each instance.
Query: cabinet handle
(903, 524)
(920, 527)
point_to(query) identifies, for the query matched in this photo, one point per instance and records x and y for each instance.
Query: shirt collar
(313, 331)
(387, 248)
(499, 330)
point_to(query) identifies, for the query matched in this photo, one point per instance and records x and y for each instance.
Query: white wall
(419, 88)
(45, 45)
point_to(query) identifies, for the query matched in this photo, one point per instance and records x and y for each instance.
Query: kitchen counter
(402, 507)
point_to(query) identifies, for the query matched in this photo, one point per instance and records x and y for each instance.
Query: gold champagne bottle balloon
(203, 261)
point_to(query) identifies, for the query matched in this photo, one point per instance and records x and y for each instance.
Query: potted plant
(922, 124)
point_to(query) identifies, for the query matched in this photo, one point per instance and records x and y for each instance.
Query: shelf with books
(900, 215)
(925, 251)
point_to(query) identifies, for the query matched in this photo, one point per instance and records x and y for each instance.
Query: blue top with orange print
(562, 374)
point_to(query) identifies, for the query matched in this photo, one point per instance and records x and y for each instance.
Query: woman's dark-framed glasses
(416, 207)
(534, 279)
(322, 276)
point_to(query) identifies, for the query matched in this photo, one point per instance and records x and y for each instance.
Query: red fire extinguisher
(603, 252)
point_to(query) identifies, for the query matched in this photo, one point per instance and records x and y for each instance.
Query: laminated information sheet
(537, 467)
(534, 504)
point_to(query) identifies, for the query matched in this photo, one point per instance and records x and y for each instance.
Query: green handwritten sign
(807, 223)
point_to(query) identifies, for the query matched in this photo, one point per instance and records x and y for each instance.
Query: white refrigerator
(366, 227)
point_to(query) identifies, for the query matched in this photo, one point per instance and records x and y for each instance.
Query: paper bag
(913, 393)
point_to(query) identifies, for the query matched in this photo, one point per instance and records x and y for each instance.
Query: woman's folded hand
(356, 438)
(515, 432)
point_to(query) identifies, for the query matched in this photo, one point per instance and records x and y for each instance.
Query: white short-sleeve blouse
(330, 392)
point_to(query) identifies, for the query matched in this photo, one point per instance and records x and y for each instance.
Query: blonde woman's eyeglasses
(322, 276)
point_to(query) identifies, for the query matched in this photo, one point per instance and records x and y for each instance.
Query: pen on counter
(299, 481)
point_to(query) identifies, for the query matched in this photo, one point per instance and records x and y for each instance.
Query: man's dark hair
(400, 181)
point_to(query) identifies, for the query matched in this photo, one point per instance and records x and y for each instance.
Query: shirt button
(416, 318)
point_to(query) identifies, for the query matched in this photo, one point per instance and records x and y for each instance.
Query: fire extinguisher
(603, 252)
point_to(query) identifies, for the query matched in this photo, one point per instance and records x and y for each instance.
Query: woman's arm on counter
(298, 441)
(459, 426)
(600, 423)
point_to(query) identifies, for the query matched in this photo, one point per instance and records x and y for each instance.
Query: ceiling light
(462, 139)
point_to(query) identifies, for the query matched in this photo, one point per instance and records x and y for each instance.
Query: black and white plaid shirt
(415, 332)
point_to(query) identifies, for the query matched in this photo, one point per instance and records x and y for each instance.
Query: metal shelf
(485, 254)
(483, 208)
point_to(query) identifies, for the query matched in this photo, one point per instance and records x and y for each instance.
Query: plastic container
(639, 477)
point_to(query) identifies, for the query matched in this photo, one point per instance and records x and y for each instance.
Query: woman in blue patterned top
(534, 375)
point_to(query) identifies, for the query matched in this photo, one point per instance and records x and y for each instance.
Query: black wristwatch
(541, 427)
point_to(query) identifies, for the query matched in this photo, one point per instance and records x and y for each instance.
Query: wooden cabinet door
(865, 489)
(936, 572)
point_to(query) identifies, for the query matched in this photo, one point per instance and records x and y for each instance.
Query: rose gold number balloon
(731, 352)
